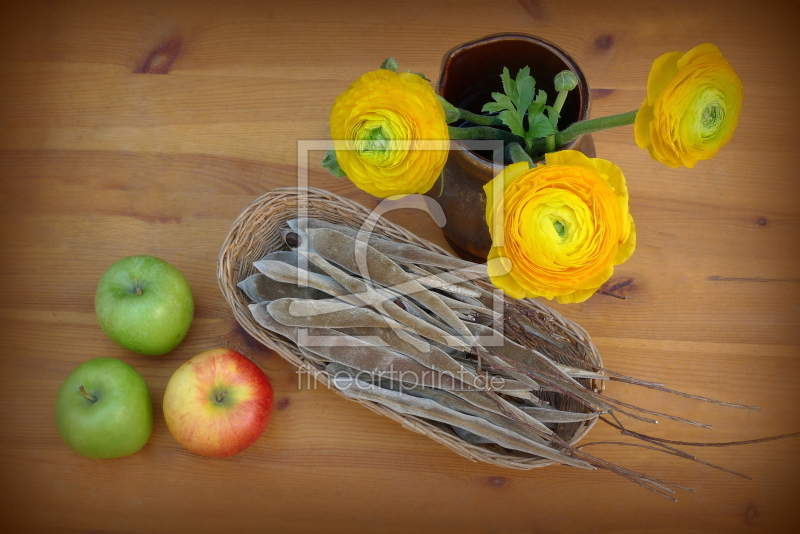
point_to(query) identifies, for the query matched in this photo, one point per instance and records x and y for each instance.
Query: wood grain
(146, 127)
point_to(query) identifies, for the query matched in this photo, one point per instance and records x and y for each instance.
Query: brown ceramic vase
(470, 73)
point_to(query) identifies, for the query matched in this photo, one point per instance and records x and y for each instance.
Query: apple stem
(221, 396)
(137, 288)
(90, 397)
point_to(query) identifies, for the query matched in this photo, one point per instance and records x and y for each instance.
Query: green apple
(144, 304)
(104, 409)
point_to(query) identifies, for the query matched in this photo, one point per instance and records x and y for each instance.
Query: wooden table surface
(146, 127)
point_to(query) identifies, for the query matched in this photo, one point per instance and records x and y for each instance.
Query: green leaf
(534, 109)
(553, 116)
(493, 107)
(525, 90)
(541, 127)
(509, 86)
(419, 74)
(513, 121)
(524, 72)
(390, 64)
(504, 101)
(330, 163)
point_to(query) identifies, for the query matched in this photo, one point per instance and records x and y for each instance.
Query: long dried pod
(291, 257)
(387, 307)
(439, 279)
(574, 372)
(468, 304)
(326, 313)
(529, 362)
(468, 436)
(283, 272)
(429, 409)
(530, 327)
(451, 401)
(408, 305)
(360, 258)
(499, 405)
(551, 415)
(456, 288)
(493, 360)
(358, 353)
(259, 287)
(433, 358)
(402, 252)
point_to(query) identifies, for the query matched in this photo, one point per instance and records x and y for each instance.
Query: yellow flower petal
(663, 70)
(561, 227)
(692, 106)
(626, 249)
(697, 53)
(389, 133)
(641, 126)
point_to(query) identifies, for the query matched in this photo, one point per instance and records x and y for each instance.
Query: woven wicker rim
(256, 232)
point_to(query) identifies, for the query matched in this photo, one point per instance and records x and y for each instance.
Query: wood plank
(99, 159)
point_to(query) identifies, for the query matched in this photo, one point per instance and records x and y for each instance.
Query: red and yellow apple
(218, 403)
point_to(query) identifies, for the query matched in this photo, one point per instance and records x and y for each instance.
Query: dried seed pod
(326, 313)
(334, 346)
(551, 415)
(291, 257)
(540, 367)
(433, 358)
(445, 282)
(378, 301)
(574, 372)
(284, 272)
(453, 402)
(406, 304)
(401, 252)
(259, 287)
(361, 258)
(429, 409)
(468, 436)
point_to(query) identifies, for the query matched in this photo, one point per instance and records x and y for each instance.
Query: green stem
(550, 143)
(560, 99)
(484, 120)
(483, 132)
(577, 129)
(517, 154)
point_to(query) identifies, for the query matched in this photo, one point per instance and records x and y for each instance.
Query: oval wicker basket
(256, 232)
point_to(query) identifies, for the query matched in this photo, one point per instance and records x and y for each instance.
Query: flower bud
(566, 81)
(451, 113)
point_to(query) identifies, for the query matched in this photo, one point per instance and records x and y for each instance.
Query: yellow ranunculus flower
(692, 106)
(390, 134)
(558, 229)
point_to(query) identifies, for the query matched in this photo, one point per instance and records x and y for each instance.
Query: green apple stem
(90, 397)
(221, 396)
(137, 288)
